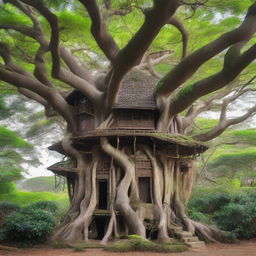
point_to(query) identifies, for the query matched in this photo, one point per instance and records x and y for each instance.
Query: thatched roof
(61, 168)
(136, 91)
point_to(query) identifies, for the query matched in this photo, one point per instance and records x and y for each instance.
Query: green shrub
(29, 226)
(238, 218)
(138, 243)
(234, 211)
(2, 234)
(199, 216)
(49, 206)
(5, 209)
(209, 202)
(7, 187)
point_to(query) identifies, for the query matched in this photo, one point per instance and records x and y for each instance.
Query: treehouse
(134, 124)
(134, 109)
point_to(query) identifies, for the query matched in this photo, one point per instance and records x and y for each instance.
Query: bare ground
(245, 248)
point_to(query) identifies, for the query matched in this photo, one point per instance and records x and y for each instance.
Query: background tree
(11, 158)
(40, 61)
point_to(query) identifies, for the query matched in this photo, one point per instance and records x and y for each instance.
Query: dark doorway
(100, 226)
(144, 189)
(103, 194)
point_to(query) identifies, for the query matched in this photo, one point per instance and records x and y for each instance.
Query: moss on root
(138, 243)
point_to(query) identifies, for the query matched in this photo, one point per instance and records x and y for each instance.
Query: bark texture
(171, 183)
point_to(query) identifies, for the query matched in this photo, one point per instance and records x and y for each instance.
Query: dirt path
(247, 248)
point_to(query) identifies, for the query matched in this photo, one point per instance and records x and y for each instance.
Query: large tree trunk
(170, 189)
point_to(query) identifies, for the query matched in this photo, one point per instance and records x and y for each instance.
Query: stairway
(187, 237)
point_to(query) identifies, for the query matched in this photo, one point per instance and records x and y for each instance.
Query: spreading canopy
(48, 48)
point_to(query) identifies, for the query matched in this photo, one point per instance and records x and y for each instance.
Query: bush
(199, 216)
(2, 235)
(29, 226)
(138, 243)
(49, 206)
(240, 219)
(5, 209)
(231, 212)
(209, 202)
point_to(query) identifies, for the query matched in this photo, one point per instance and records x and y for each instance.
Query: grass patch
(78, 249)
(24, 198)
(137, 243)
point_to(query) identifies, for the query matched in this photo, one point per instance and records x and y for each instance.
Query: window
(144, 189)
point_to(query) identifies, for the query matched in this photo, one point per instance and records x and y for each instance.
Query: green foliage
(23, 198)
(234, 212)
(29, 226)
(2, 235)
(237, 163)
(45, 205)
(138, 243)
(244, 136)
(12, 139)
(209, 202)
(7, 186)
(240, 219)
(199, 216)
(233, 159)
(203, 125)
(233, 6)
(11, 146)
(5, 209)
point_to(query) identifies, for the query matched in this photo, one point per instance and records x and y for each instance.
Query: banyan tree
(131, 164)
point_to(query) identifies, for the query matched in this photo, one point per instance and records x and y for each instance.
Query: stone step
(176, 229)
(183, 234)
(196, 244)
(189, 239)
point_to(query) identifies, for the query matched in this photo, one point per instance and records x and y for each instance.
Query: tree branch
(202, 106)
(186, 96)
(133, 52)
(49, 94)
(189, 65)
(99, 31)
(224, 124)
(154, 62)
(74, 65)
(57, 71)
(54, 41)
(178, 24)
(33, 96)
(22, 29)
